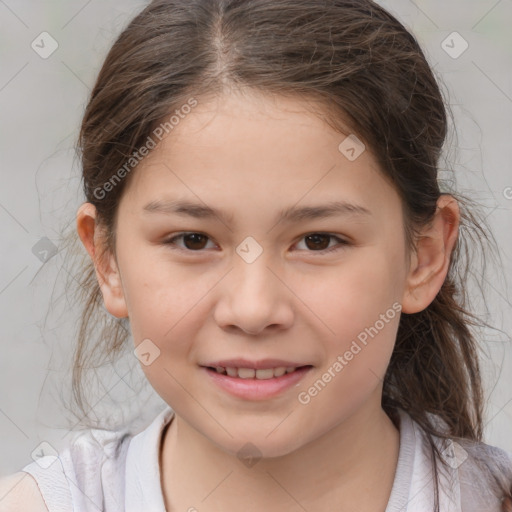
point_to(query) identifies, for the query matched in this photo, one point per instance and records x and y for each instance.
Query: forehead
(243, 150)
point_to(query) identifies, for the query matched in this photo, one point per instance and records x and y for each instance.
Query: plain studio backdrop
(51, 52)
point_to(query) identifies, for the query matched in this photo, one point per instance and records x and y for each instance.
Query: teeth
(232, 372)
(251, 373)
(268, 373)
(246, 373)
(279, 371)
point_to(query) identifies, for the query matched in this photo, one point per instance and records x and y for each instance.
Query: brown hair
(362, 66)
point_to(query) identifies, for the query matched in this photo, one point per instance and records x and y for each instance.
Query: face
(316, 291)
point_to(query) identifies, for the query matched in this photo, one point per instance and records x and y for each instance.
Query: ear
(107, 272)
(430, 263)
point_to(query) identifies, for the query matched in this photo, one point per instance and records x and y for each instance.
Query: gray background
(41, 103)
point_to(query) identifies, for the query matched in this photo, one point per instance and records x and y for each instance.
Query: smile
(256, 384)
(252, 373)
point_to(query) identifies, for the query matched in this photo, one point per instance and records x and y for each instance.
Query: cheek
(359, 306)
(353, 295)
(167, 304)
(162, 297)
(357, 303)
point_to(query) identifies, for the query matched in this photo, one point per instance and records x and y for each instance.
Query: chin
(248, 446)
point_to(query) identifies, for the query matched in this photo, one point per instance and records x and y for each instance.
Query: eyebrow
(290, 214)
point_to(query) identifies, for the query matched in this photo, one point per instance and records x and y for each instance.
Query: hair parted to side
(366, 73)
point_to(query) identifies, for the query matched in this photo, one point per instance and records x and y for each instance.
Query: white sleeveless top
(118, 471)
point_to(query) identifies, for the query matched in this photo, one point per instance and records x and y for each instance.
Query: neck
(339, 467)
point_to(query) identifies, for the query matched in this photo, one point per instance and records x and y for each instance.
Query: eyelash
(341, 245)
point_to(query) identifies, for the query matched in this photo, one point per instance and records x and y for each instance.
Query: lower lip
(257, 389)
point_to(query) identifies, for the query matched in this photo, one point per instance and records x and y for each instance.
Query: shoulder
(88, 453)
(478, 454)
(103, 443)
(19, 492)
(482, 472)
(92, 461)
(485, 476)
(488, 459)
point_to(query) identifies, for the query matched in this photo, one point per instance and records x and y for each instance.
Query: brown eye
(191, 241)
(320, 242)
(317, 241)
(195, 241)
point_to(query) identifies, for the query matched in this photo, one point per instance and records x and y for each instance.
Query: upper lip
(262, 364)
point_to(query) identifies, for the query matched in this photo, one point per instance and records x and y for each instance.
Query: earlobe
(107, 272)
(431, 261)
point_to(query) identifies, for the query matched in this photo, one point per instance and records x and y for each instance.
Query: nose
(254, 298)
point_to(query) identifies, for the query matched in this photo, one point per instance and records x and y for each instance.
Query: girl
(263, 205)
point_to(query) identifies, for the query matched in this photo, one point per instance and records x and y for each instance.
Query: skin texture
(252, 156)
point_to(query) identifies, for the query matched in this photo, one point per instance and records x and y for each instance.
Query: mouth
(253, 373)
(250, 383)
